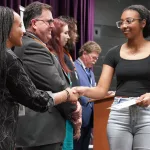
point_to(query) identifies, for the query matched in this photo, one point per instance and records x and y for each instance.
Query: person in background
(88, 56)
(42, 131)
(69, 48)
(56, 45)
(15, 85)
(128, 128)
(73, 33)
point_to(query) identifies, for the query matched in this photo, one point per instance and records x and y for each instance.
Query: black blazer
(34, 128)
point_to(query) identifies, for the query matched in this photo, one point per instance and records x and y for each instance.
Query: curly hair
(33, 10)
(144, 14)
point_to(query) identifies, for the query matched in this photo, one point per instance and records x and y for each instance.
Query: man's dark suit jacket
(34, 128)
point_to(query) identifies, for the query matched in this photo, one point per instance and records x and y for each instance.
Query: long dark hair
(6, 22)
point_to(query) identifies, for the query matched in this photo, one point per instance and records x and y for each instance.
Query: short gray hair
(90, 47)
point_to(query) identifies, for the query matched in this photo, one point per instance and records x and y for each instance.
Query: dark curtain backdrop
(84, 13)
(82, 10)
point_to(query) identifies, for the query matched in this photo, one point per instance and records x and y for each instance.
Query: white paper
(124, 104)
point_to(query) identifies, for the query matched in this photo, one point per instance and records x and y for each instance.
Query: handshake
(69, 94)
(74, 93)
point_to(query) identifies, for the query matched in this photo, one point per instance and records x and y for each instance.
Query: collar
(32, 35)
(81, 63)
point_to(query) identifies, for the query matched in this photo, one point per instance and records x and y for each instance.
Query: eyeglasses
(50, 21)
(93, 57)
(126, 21)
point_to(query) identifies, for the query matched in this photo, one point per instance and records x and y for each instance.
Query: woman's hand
(111, 93)
(80, 89)
(72, 95)
(144, 100)
(66, 95)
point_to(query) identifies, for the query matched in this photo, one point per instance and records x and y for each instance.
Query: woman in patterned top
(15, 85)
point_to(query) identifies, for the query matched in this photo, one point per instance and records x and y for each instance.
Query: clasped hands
(74, 93)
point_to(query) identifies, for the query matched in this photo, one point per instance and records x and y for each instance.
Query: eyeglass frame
(93, 57)
(127, 23)
(50, 21)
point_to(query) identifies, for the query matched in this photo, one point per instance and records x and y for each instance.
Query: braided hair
(144, 14)
(6, 22)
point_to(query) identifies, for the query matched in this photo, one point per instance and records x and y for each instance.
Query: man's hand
(77, 128)
(78, 113)
(77, 121)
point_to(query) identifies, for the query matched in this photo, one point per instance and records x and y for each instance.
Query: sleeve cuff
(52, 96)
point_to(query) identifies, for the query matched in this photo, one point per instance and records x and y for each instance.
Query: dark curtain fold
(82, 10)
(11, 3)
(84, 13)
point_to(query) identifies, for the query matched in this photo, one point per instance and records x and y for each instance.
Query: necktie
(88, 74)
(90, 79)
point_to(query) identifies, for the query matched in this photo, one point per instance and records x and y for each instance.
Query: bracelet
(68, 95)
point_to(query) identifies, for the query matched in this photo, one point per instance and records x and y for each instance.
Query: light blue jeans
(129, 128)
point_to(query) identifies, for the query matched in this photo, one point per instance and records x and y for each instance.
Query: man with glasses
(88, 56)
(41, 131)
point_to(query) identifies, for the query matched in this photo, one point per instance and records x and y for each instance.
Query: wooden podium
(101, 114)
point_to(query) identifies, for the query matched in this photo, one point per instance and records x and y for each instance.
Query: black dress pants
(83, 142)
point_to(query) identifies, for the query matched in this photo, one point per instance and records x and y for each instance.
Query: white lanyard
(89, 77)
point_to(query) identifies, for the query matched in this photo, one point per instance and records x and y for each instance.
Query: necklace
(132, 53)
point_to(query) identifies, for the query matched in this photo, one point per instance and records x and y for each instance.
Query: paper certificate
(124, 104)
